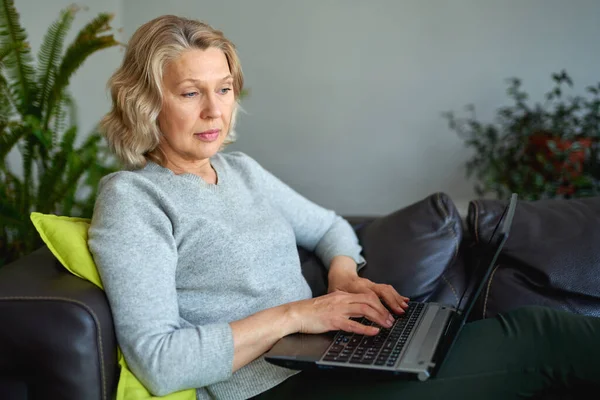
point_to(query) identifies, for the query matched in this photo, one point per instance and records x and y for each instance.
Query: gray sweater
(181, 258)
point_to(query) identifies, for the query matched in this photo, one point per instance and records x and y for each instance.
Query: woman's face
(198, 103)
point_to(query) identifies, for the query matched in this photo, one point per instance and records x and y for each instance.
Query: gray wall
(346, 96)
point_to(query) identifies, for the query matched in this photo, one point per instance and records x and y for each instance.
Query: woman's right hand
(333, 312)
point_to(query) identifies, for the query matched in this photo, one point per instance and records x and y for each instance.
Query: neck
(201, 168)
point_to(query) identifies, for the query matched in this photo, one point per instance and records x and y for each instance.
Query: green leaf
(76, 164)
(88, 41)
(74, 175)
(51, 179)
(43, 137)
(11, 197)
(65, 107)
(9, 137)
(9, 215)
(27, 151)
(538, 180)
(50, 53)
(8, 48)
(35, 108)
(18, 63)
(8, 100)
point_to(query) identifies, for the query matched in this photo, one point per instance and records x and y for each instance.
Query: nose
(210, 108)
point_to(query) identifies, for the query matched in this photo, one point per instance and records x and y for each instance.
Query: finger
(366, 310)
(398, 302)
(394, 301)
(372, 298)
(373, 286)
(349, 325)
(403, 301)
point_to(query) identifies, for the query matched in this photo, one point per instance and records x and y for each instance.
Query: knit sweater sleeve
(316, 228)
(131, 240)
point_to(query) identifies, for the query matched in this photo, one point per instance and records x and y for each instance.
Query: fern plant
(38, 122)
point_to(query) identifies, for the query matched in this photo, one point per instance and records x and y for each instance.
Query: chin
(209, 150)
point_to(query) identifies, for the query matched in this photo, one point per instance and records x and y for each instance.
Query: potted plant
(37, 120)
(542, 150)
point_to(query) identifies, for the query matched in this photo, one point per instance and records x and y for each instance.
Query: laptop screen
(491, 251)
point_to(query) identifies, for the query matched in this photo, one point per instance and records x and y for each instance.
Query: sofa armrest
(57, 333)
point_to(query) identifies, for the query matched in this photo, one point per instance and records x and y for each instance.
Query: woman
(197, 249)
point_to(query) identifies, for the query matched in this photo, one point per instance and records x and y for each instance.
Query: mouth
(208, 136)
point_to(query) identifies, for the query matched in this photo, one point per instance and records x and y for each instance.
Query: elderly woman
(197, 251)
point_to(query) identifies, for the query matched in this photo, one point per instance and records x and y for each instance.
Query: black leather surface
(313, 269)
(416, 250)
(551, 258)
(314, 272)
(57, 335)
(57, 338)
(12, 388)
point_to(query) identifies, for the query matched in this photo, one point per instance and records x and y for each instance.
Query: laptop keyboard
(383, 349)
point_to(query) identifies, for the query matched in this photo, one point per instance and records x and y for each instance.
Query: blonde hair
(130, 127)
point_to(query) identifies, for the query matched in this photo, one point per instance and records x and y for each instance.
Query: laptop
(414, 347)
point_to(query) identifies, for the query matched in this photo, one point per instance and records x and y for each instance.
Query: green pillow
(66, 237)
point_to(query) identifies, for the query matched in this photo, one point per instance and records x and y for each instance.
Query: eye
(190, 94)
(224, 90)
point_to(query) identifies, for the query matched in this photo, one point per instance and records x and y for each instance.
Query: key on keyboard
(383, 349)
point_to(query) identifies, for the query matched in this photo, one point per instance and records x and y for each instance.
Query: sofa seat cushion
(551, 257)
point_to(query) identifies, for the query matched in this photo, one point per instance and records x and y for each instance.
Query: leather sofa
(57, 338)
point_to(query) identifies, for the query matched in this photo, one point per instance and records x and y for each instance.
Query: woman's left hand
(343, 276)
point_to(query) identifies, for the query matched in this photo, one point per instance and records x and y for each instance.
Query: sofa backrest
(416, 249)
(551, 258)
